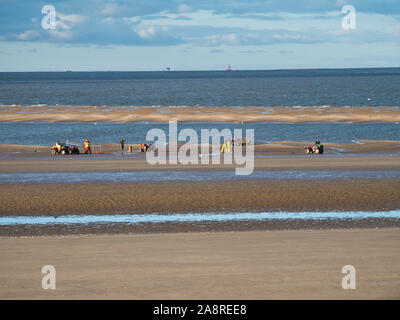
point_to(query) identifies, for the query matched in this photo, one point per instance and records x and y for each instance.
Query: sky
(139, 35)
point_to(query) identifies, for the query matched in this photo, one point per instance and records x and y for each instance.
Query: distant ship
(229, 68)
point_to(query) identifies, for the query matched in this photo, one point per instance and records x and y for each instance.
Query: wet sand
(273, 148)
(299, 264)
(199, 114)
(214, 196)
(281, 155)
(265, 260)
(310, 163)
(210, 196)
(205, 226)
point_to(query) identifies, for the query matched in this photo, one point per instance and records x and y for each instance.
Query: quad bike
(64, 150)
(73, 150)
(241, 141)
(318, 148)
(145, 147)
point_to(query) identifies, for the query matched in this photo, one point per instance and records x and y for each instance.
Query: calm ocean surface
(328, 87)
(334, 87)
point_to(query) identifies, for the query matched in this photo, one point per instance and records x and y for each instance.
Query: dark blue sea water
(334, 87)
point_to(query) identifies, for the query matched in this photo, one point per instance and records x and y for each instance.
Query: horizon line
(213, 70)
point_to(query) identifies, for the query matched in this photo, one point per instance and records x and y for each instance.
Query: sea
(372, 87)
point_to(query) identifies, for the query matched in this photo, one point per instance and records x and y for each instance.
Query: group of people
(144, 147)
(88, 149)
(87, 144)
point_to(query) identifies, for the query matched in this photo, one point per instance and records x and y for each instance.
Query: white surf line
(194, 217)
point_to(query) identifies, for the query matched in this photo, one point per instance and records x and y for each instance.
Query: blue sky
(198, 35)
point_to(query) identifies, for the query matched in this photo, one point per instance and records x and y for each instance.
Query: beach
(284, 179)
(280, 155)
(117, 227)
(299, 264)
(270, 258)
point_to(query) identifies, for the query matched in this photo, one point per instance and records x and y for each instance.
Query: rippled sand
(210, 196)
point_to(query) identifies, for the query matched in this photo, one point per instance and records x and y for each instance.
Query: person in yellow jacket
(226, 147)
(87, 147)
(58, 145)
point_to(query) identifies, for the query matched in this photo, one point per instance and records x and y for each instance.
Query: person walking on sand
(87, 147)
(122, 143)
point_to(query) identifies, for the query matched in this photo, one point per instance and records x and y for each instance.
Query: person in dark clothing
(317, 142)
(122, 143)
(148, 146)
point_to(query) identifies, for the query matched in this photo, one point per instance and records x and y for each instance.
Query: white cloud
(67, 22)
(62, 34)
(146, 33)
(226, 39)
(396, 31)
(28, 35)
(65, 25)
(108, 20)
(286, 37)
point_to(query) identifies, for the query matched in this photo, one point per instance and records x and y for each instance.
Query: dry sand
(185, 114)
(297, 264)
